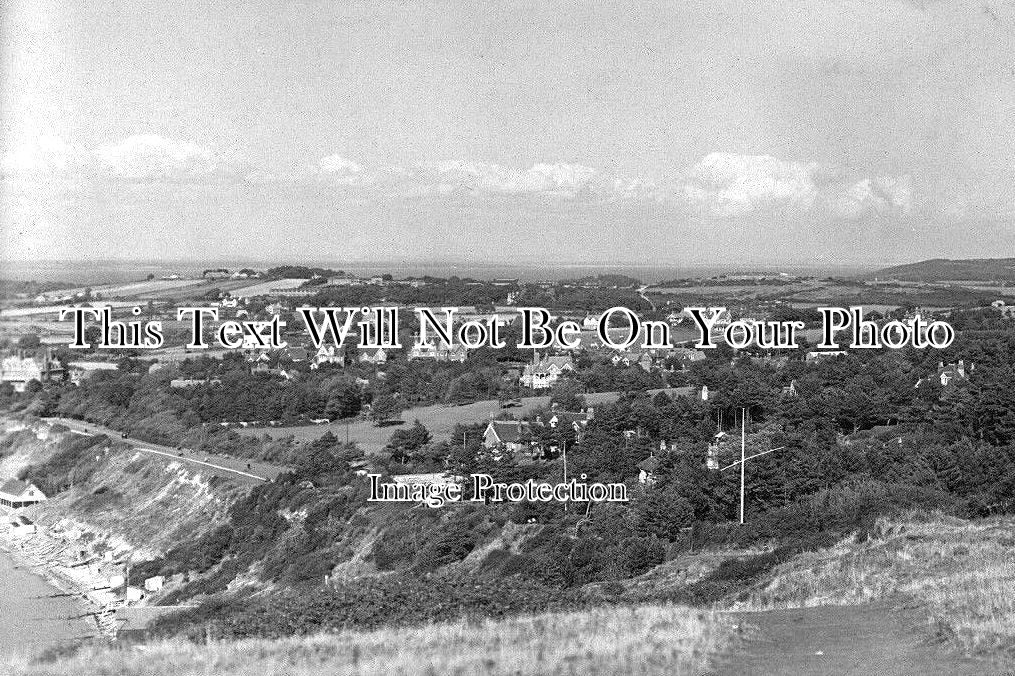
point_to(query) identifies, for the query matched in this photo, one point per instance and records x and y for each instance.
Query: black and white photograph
(530, 337)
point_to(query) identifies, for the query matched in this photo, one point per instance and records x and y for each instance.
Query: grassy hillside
(642, 640)
(961, 570)
(116, 496)
(943, 269)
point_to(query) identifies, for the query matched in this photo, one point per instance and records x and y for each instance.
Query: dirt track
(875, 640)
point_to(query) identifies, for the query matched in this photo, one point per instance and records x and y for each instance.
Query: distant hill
(944, 269)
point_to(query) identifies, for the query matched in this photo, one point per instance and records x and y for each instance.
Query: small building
(80, 371)
(438, 351)
(16, 494)
(374, 356)
(647, 469)
(814, 355)
(186, 383)
(687, 355)
(328, 354)
(575, 420)
(510, 434)
(21, 526)
(154, 584)
(949, 374)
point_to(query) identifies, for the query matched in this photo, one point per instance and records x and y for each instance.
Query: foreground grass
(964, 571)
(633, 640)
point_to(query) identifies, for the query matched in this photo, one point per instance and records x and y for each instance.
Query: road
(439, 419)
(641, 292)
(236, 469)
(881, 639)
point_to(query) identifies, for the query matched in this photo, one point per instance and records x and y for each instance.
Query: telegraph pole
(743, 459)
(564, 446)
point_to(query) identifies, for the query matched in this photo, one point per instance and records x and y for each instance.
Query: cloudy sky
(690, 132)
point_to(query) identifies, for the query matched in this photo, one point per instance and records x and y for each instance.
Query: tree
(405, 442)
(567, 394)
(384, 407)
(343, 403)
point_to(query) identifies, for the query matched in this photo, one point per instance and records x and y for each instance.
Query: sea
(118, 271)
(35, 615)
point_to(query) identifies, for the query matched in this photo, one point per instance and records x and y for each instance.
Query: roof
(14, 487)
(93, 365)
(649, 464)
(509, 431)
(570, 417)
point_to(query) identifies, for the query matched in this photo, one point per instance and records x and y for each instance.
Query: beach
(36, 614)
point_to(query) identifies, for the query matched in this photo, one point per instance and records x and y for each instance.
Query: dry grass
(963, 571)
(639, 640)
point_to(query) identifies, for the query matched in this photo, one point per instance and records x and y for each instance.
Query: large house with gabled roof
(543, 373)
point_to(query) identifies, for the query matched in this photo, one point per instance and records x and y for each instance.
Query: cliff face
(108, 496)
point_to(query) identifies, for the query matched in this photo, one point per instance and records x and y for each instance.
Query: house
(185, 383)
(82, 370)
(576, 420)
(328, 354)
(438, 352)
(647, 469)
(687, 355)
(823, 354)
(374, 356)
(19, 370)
(297, 354)
(543, 373)
(21, 525)
(949, 374)
(510, 434)
(719, 446)
(15, 494)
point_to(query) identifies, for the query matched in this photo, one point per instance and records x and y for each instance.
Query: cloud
(723, 185)
(139, 158)
(337, 166)
(728, 185)
(149, 157)
(560, 179)
(45, 156)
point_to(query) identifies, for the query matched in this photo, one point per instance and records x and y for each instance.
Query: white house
(19, 370)
(328, 354)
(542, 373)
(82, 370)
(376, 356)
(15, 494)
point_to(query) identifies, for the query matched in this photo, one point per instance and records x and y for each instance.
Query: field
(129, 289)
(961, 571)
(639, 640)
(440, 419)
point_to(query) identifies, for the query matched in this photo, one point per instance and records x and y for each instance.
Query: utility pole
(743, 459)
(564, 446)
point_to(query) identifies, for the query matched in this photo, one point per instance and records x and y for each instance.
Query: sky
(537, 131)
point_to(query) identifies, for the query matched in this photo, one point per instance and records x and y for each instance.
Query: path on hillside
(871, 640)
(236, 469)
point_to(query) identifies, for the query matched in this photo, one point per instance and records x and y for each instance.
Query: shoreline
(42, 556)
(44, 614)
